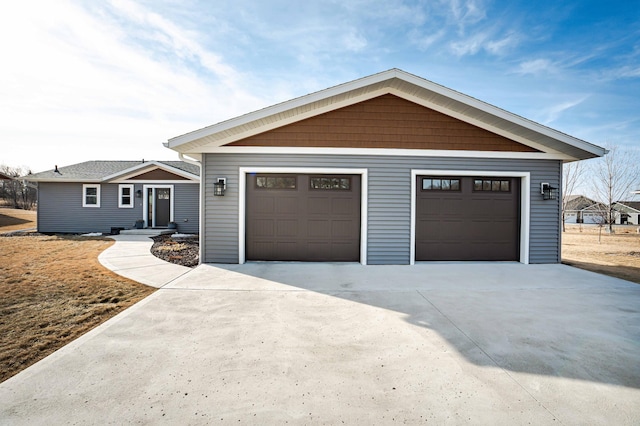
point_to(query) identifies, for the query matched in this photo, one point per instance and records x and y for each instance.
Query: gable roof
(4, 176)
(577, 202)
(630, 205)
(105, 171)
(404, 85)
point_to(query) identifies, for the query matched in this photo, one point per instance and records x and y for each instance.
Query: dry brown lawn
(53, 290)
(615, 254)
(14, 219)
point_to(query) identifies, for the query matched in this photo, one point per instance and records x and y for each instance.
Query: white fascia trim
(285, 106)
(271, 125)
(152, 165)
(387, 152)
(355, 85)
(525, 204)
(364, 191)
(475, 122)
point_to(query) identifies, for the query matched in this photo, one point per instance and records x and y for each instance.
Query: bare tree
(614, 177)
(572, 174)
(17, 192)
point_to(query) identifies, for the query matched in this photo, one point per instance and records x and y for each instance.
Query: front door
(163, 207)
(158, 206)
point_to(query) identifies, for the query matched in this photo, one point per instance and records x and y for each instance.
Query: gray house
(387, 169)
(97, 196)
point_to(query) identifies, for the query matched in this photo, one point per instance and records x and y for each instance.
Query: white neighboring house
(581, 209)
(627, 212)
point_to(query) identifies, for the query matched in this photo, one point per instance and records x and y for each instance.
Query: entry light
(219, 186)
(548, 192)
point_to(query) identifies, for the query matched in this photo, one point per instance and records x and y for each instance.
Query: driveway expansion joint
(489, 357)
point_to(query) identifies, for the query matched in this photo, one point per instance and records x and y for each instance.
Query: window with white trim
(125, 196)
(90, 195)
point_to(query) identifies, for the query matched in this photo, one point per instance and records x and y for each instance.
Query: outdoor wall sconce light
(219, 186)
(139, 193)
(548, 192)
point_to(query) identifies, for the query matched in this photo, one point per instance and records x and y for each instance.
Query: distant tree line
(16, 192)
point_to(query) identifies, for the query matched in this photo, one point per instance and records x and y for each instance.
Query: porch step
(150, 232)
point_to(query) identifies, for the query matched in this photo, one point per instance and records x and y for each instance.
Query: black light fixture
(139, 193)
(219, 186)
(548, 192)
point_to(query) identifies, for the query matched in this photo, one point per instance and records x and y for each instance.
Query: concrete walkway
(277, 343)
(131, 257)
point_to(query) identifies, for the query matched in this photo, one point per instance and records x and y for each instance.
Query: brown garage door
(303, 217)
(467, 218)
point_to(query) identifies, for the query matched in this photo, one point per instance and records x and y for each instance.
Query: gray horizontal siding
(186, 208)
(60, 209)
(389, 200)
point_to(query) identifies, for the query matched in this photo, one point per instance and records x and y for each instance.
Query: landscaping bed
(181, 249)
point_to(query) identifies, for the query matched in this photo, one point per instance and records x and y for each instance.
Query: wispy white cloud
(424, 42)
(554, 112)
(503, 45)
(354, 41)
(484, 41)
(466, 12)
(536, 66)
(78, 87)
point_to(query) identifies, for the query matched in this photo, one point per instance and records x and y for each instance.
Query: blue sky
(86, 80)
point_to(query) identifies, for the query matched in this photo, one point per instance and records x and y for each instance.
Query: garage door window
(492, 185)
(439, 184)
(330, 182)
(276, 182)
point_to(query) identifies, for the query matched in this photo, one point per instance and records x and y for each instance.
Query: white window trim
(131, 195)
(84, 194)
(525, 203)
(244, 171)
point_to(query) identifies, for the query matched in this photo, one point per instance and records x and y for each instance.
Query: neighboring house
(595, 214)
(5, 176)
(627, 212)
(387, 169)
(98, 196)
(575, 209)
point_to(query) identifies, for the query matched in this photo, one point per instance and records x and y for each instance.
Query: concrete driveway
(284, 343)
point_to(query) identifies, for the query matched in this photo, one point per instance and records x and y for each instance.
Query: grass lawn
(53, 290)
(615, 254)
(14, 219)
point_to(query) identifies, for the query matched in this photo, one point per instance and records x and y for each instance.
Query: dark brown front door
(162, 207)
(467, 218)
(303, 217)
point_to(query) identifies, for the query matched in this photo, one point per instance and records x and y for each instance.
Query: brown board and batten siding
(389, 199)
(385, 122)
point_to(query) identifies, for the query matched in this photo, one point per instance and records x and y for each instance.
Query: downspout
(200, 207)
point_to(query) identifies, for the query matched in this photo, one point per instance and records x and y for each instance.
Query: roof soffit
(400, 84)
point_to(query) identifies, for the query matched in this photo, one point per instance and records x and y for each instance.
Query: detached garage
(388, 169)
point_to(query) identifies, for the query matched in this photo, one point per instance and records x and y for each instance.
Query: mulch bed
(181, 251)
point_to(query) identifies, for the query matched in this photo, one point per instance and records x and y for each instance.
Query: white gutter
(200, 207)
